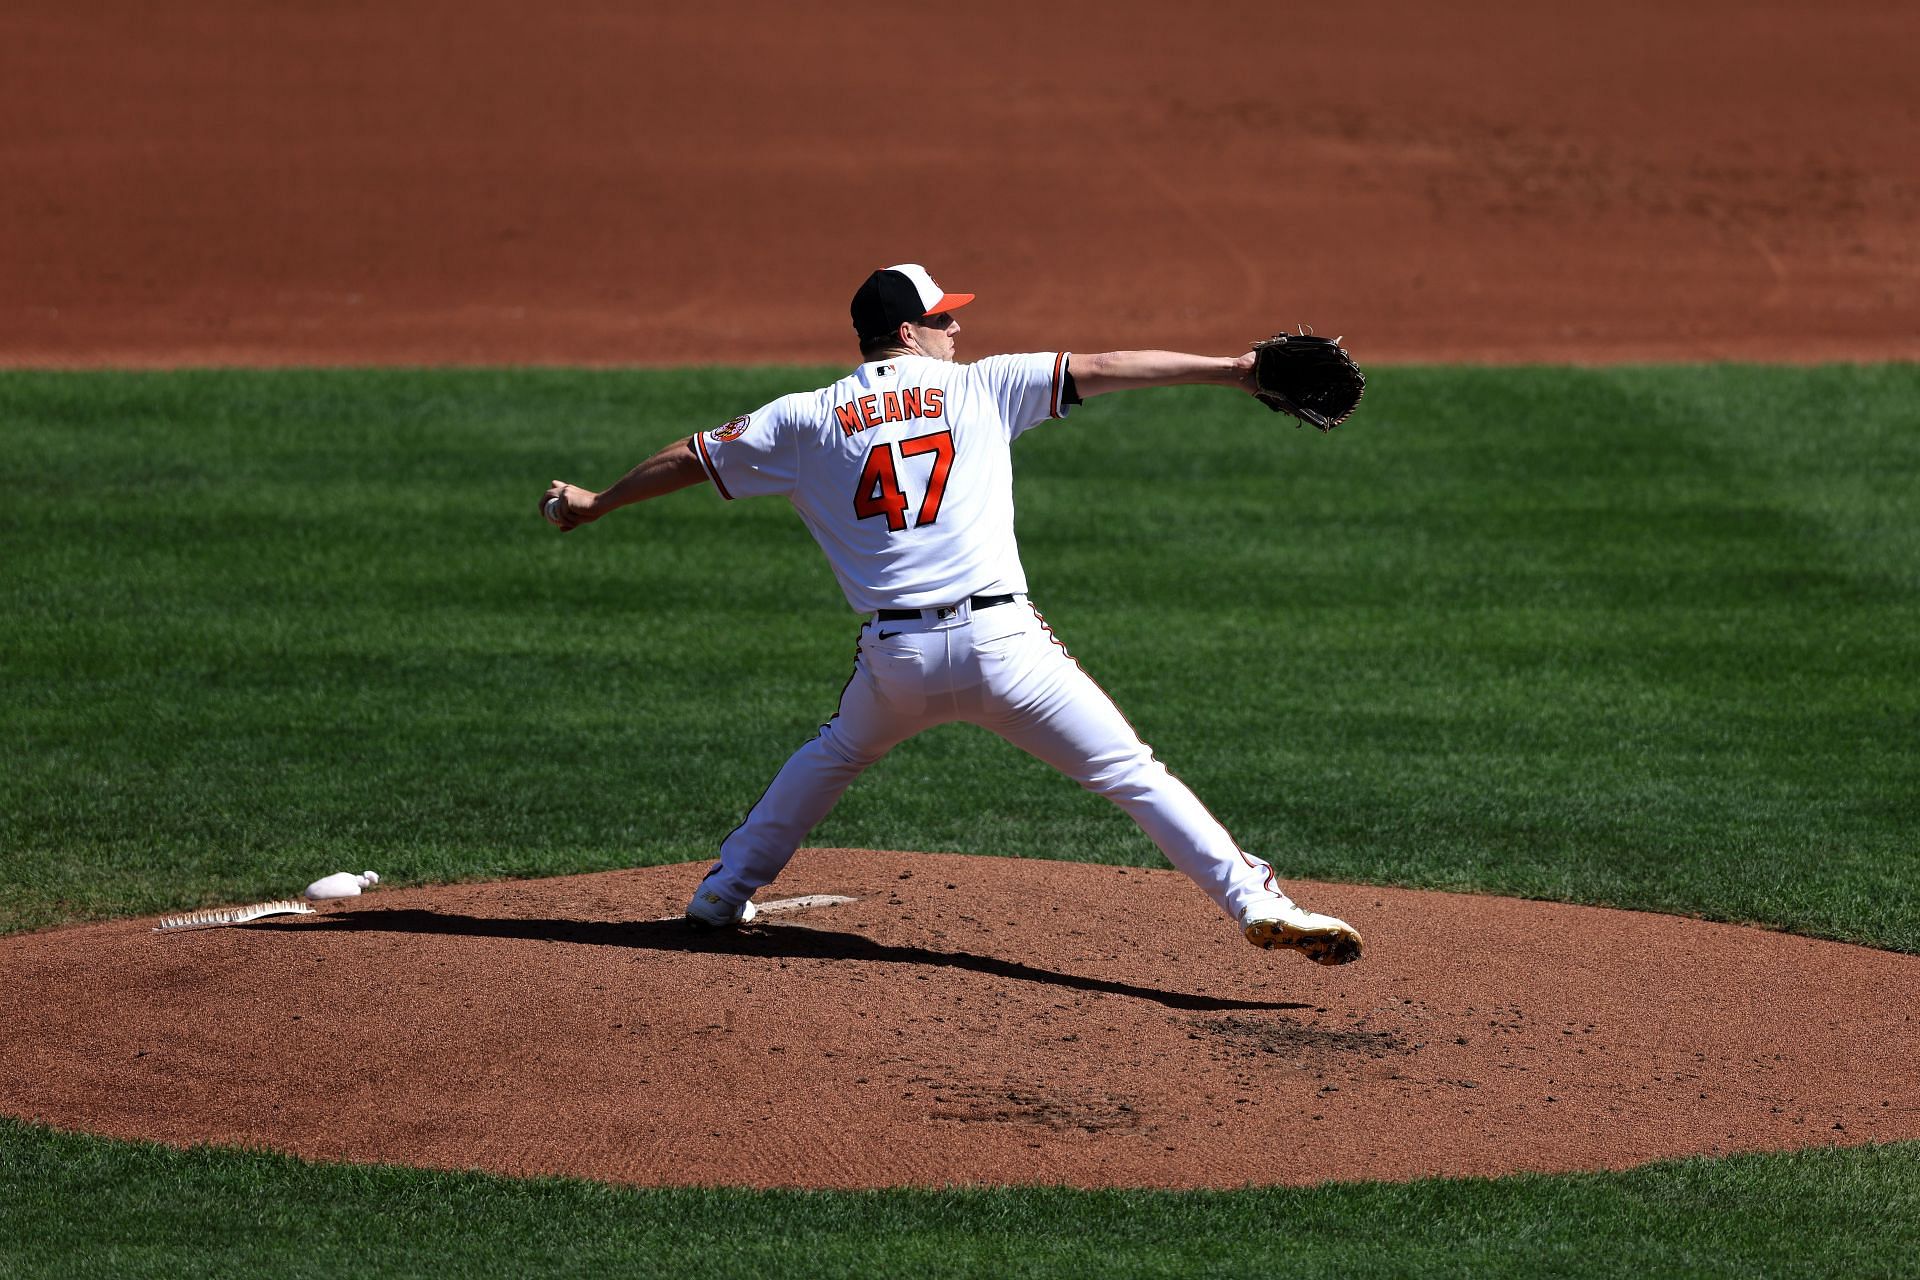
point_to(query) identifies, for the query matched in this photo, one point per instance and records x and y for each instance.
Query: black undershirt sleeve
(1070, 394)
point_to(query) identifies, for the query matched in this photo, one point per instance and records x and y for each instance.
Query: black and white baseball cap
(894, 294)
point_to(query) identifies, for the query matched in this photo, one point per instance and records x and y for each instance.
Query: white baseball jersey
(903, 473)
(901, 470)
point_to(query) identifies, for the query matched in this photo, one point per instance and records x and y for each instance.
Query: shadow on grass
(784, 941)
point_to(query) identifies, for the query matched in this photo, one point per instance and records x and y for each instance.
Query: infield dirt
(496, 182)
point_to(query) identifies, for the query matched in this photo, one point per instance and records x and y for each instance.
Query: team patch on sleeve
(730, 431)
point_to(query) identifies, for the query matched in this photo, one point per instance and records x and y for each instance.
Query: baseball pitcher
(903, 472)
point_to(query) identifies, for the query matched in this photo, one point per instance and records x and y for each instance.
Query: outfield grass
(1643, 637)
(83, 1208)
(1637, 636)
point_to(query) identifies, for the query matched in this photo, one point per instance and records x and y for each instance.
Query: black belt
(978, 602)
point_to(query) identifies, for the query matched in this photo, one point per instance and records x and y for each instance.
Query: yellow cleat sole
(1322, 946)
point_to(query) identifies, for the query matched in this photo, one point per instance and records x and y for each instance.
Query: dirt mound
(963, 1020)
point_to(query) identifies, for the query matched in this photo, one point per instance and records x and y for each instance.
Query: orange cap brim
(950, 302)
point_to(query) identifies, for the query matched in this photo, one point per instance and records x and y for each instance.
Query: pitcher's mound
(962, 1020)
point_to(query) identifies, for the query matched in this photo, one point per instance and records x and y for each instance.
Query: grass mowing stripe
(1635, 636)
(82, 1206)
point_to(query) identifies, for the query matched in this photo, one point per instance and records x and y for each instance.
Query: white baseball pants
(1002, 669)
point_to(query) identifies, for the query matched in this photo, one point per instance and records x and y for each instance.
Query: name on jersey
(868, 412)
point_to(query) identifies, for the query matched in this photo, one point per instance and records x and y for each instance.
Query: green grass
(1648, 637)
(79, 1207)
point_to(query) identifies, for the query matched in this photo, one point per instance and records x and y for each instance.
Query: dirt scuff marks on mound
(1248, 1037)
(964, 1020)
(1038, 1105)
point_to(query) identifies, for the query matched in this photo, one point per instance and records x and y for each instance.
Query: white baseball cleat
(715, 912)
(1282, 923)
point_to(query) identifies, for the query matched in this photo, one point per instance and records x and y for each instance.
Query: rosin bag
(341, 884)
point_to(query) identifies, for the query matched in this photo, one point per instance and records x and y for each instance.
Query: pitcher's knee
(1131, 776)
(846, 752)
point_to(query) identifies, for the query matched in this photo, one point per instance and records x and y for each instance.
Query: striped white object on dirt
(232, 915)
(804, 902)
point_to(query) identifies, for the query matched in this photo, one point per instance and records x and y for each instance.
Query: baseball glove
(1314, 379)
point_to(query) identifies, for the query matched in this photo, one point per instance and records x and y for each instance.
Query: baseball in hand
(551, 509)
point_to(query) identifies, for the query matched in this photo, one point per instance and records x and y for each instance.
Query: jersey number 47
(880, 494)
